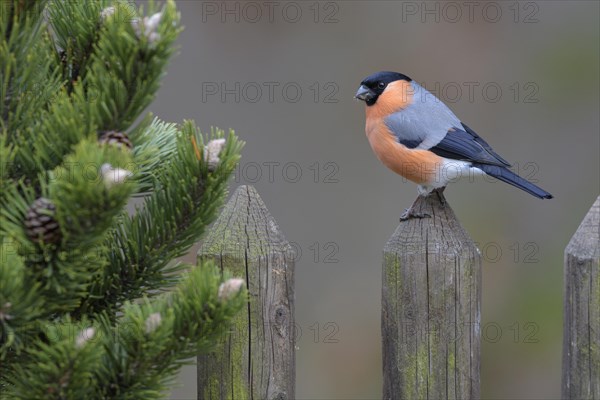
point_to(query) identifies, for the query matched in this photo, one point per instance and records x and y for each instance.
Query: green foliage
(173, 216)
(100, 308)
(20, 302)
(134, 358)
(61, 367)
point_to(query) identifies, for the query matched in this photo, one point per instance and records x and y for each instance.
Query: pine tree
(93, 304)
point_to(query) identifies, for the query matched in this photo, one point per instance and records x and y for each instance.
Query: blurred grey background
(524, 75)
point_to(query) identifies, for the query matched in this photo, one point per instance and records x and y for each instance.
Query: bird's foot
(410, 213)
(439, 192)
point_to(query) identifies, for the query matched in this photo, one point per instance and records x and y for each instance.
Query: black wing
(466, 145)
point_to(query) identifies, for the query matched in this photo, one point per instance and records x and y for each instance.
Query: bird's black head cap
(373, 85)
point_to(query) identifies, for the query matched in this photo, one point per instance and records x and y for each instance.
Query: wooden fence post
(581, 339)
(257, 359)
(431, 307)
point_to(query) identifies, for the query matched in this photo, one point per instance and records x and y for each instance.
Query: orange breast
(418, 166)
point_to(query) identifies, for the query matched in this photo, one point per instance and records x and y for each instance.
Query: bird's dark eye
(381, 85)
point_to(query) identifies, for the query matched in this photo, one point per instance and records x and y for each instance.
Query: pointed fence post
(431, 307)
(581, 339)
(257, 359)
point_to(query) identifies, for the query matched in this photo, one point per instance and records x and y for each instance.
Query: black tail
(506, 175)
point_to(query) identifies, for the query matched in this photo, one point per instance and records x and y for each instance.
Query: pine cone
(119, 139)
(40, 224)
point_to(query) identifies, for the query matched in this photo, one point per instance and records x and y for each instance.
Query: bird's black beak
(364, 93)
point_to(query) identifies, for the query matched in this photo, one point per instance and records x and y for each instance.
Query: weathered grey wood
(581, 340)
(431, 308)
(257, 359)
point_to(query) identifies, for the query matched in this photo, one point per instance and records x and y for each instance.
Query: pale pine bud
(151, 23)
(230, 288)
(84, 336)
(211, 152)
(107, 12)
(113, 176)
(147, 27)
(152, 322)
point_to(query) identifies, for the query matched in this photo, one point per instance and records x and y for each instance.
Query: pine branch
(21, 304)
(123, 62)
(7, 155)
(156, 338)
(174, 216)
(73, 263)
(29, 77)
(76, 26)
(139, 356)
(127, 64)
(86, 201)
(63, 367)
(154, 142)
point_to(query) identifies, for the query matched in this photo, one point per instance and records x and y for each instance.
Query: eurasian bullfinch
(415, 135)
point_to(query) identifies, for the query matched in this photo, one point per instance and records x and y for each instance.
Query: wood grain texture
(581, 339)
(257, 359)
(431, 307)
